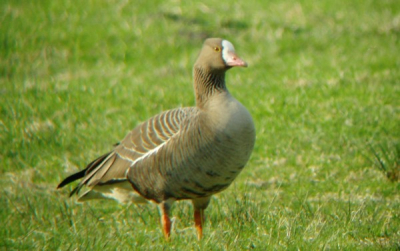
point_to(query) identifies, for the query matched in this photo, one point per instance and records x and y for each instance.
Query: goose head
(218, 55)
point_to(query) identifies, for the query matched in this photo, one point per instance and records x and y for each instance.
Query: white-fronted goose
(185, 153)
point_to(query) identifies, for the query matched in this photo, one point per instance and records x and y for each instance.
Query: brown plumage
(185, 153)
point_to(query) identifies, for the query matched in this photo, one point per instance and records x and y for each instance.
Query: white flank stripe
(149, 153)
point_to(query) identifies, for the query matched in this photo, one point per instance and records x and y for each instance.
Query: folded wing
(108, 172)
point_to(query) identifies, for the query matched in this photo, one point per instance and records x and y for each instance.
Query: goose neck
(207, 84)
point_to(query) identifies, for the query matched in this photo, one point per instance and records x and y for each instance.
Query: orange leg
(198, 222)
(165, 221)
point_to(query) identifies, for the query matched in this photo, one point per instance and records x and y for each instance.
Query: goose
(188, 153)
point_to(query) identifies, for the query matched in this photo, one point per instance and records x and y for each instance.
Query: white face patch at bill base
(226, 48)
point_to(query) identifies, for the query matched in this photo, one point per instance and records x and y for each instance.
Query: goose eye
(217, 49)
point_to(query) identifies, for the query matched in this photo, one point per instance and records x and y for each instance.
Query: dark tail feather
(96, 162)
(82, 174)
(76, 190)
(71, 178)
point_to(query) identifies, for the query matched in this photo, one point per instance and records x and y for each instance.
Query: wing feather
(143, 140)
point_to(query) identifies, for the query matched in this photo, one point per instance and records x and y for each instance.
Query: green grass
(323, 87)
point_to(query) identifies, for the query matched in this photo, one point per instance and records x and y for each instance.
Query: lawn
(323, 87)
